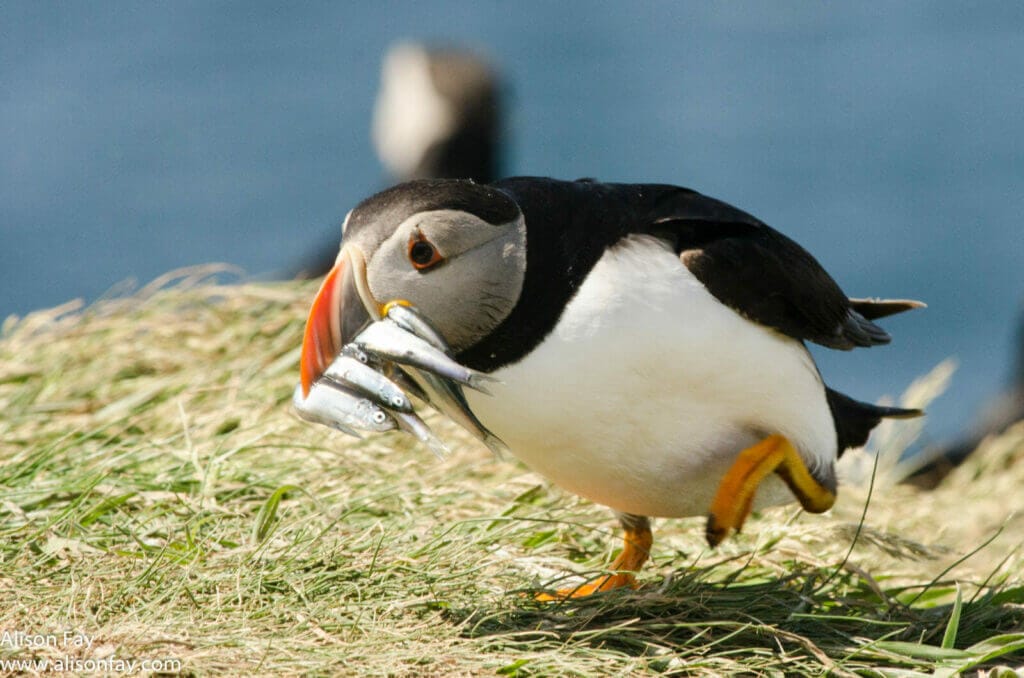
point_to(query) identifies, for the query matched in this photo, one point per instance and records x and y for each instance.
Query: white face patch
(475, 286)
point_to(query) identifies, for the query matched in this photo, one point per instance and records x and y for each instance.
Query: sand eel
(648, 341)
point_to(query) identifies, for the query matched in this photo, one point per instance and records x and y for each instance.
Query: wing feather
(765, 276)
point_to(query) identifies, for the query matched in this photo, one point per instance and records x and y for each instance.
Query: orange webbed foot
(636, 550)
(735, 496)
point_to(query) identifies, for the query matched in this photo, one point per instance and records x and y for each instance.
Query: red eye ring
(422, 253)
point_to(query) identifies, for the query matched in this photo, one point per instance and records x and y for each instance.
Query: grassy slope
(158, 495)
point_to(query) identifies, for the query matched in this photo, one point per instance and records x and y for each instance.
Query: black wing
(763, 275)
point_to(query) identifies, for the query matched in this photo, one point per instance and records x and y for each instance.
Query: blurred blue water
(887, 139)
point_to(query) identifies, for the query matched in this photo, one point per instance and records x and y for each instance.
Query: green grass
(157, 495)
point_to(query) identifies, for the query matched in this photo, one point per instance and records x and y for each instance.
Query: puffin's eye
(422, 252)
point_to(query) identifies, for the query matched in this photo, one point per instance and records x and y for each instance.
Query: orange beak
(337, 315)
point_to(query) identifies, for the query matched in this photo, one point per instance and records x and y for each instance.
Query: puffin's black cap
(398, 203)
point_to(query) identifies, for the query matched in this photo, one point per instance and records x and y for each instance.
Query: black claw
(713, 532)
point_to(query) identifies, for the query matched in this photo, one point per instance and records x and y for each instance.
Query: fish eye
(422, 253)
(379, 417)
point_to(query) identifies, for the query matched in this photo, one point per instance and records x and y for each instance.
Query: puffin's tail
(854, 419)
(872, 309)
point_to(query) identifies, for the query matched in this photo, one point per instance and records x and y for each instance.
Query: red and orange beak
(337, 315)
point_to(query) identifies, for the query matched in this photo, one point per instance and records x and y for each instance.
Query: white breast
(648, 388)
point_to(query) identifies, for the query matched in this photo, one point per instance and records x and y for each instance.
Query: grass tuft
(157, 495)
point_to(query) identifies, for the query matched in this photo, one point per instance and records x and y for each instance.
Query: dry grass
(159, 497)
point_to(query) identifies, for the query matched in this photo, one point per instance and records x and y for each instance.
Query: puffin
(649, 342)
(438, 114)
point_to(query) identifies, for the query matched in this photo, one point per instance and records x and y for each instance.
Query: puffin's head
(453, 249)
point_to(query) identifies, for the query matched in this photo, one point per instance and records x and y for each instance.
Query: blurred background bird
(139, 140)
(437, 116)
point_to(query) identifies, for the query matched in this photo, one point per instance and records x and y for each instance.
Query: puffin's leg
(735, 495)
(635, 551)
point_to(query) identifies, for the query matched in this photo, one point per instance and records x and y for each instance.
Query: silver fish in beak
(350, 371)
(412, 322)
(335, 406)
(447, 398)
(388, 341)
(414, 426)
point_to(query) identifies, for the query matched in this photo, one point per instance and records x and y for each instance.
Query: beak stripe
(322, 339)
